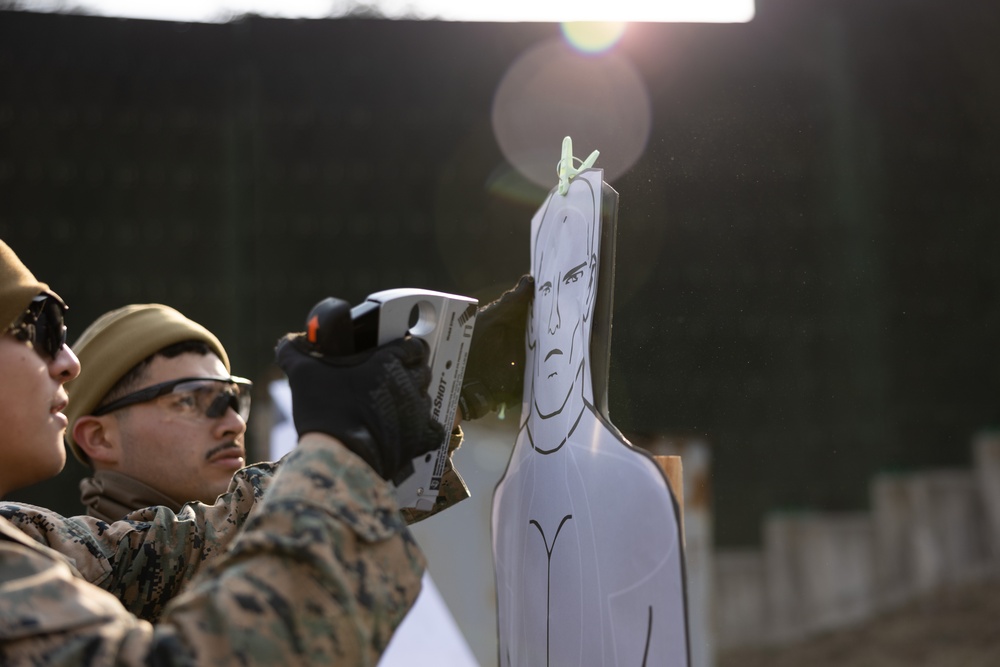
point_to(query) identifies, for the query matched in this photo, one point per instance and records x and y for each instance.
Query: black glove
(375, 401)
(494, 371)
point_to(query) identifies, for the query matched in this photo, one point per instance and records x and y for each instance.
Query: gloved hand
(494, 370)
(375, 401)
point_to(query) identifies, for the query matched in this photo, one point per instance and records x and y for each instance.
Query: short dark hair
(127, 383)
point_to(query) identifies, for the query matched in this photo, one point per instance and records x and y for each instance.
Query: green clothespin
(565, 167)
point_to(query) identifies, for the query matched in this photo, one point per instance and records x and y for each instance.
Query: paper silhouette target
(586, 537)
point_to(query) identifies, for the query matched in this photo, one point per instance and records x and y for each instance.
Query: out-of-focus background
(806, 302)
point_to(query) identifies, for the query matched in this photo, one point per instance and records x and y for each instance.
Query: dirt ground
(959, 627)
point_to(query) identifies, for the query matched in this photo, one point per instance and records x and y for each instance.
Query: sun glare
(552, 91)
(593, 37)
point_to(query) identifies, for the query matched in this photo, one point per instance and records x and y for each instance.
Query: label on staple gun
(445, 322)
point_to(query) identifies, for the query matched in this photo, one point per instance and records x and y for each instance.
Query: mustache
(553, 351)
(232, 444)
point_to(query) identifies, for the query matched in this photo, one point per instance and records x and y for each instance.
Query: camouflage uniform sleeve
(322, 573)
(146, 558)
(453, 487)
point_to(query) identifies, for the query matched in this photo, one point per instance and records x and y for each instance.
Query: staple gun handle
(329, 328)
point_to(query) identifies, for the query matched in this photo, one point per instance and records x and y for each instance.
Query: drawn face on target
(564, 266)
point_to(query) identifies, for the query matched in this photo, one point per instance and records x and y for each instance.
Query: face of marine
(32, 400)
(166, 444)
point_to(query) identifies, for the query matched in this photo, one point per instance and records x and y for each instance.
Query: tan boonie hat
(115, 343)
(17, 287)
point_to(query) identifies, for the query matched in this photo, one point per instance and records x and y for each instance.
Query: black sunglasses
(42, 325)
(195, 396)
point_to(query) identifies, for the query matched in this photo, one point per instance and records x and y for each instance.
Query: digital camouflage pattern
(144, 559)
(322, 572)
(109, 495)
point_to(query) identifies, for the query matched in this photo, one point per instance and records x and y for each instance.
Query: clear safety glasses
(192, 397)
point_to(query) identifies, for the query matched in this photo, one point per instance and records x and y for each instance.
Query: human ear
(98, 438)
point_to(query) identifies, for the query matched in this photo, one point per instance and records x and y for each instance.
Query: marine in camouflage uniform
(118, 353)
(313, 566)
(305, 561)
(320, 570)
(146, 559)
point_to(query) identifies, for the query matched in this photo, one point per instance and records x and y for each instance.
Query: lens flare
(552, 91)
(592, 36)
